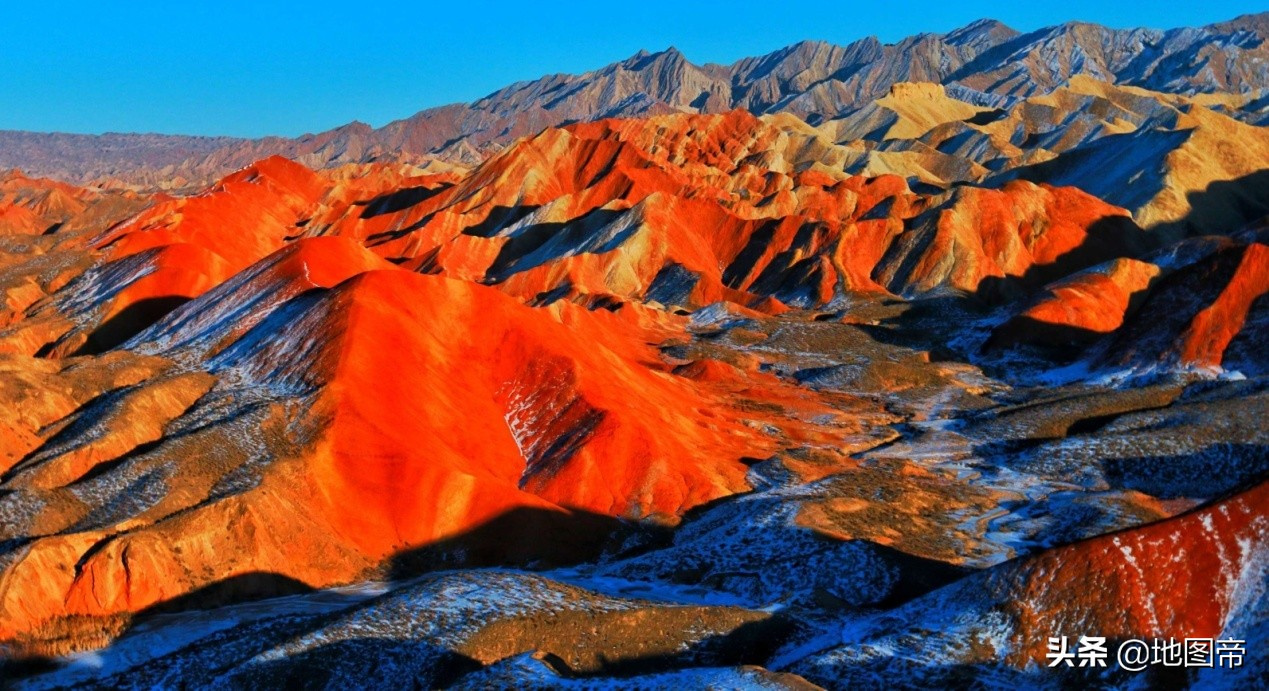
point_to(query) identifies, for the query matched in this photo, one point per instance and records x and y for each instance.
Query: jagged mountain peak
(814, 80)
(645, 59)
(1257, 24)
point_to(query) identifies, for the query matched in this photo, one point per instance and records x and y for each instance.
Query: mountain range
(985, 63)
(843, 366)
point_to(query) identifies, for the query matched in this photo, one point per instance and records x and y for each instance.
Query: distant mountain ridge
(984, 62)
(924, 362)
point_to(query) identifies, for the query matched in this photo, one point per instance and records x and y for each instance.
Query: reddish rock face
(1190, 318)
(681, 210)
(1187, 577)
(739, 354)
(34, 206)
(1018, 236)
(1207, 337)
(707, 199)
(31, 205)
(241, 218)
(1139, 575)
(1081, 308)
(395, 424)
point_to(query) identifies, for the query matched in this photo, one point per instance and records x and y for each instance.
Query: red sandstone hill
(32, 206)
(1195, 313)
(304, 408)
(681, 211)
(249, 213)
(1196, 306)
(691, 209)
(1193, 576)
(301, 378)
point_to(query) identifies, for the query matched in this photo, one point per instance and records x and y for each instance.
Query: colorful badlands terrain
(846, 371)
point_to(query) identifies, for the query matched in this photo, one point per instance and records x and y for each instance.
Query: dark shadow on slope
(400, 200)
(21, 667)
(359, 662)
(24, 658)
(106, 466)
(1248, 352)
(929, 324)
(1121, 169)
(245, 587)
(794, 275)
(1170, 307)
(523, 537)
(129, 322)
(986, 117)
(1108, 238)
(579, 421)
(1220, 469)
(917, 575)
(673, 285)
(540, 243)
(1058, 343)
(498, 218)
(1224, 208)
(735, 274)
(428, 262)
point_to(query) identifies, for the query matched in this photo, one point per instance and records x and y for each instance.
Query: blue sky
(250, 69)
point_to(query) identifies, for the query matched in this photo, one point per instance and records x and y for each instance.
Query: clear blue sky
(257, 68)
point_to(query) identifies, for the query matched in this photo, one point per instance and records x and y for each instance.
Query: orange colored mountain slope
(325, 415)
